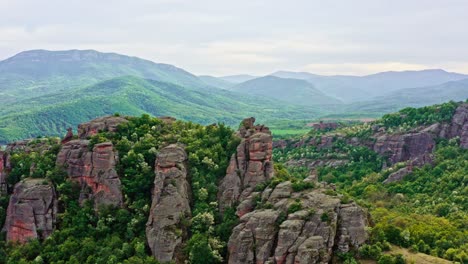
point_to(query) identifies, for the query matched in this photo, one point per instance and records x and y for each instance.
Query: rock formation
(3, 173)
(94, 170)
(404, 147)
(165, 230)
(321, 225)
(250, 165)
(32, 211)
(107, 123)
(68, 136)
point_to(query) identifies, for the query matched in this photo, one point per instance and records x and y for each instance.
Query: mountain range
(43, 89)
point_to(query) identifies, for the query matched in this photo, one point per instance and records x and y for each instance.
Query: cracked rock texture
(31, 211)
(94, 170)
(250, 165)
(170, 206)
(321, 226)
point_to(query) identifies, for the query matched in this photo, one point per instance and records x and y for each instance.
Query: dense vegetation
(425, 212)
(117, 235)
(52, 114)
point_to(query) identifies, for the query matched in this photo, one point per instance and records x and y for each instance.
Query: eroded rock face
(459, 125)
(250, 165)
(310, 235)
(165, 230)
(404, 147)
(94, 170)
(32, 211)
(3, 173)
(107, 123)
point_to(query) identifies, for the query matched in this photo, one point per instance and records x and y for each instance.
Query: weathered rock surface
(3, 173)
(310, 235)
(94, 170)
(165, 230)
(250, 165)
(459, 125)
(107, 123)
(404, 147)
(32, 211)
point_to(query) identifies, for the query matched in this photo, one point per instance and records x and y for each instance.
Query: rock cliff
(250, 165)
(93, 169)
(3, 173)
(165, 229)
(297, 227)
(32, 211)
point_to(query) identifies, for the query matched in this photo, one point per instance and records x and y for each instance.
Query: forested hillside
(144, 189)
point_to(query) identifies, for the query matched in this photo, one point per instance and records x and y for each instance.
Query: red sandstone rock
(171, 203)
(94, 170)
(251, 165)
(107, 123)
(32, 211)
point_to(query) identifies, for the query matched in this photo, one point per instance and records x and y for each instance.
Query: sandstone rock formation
(68, 136)
(309, 235)
(3, 173)
(107, 123)
(250, 165)
(94, 170)
(404, 147)
(32, 211)
(165, 230)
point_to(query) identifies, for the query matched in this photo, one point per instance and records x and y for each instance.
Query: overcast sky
(219, 37)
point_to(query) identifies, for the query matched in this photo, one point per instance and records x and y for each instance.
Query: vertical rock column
(165, 230)
(250, 165)
(3, 173)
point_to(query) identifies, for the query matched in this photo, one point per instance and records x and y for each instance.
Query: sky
(258, 37)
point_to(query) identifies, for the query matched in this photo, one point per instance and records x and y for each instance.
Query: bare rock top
(107, 123)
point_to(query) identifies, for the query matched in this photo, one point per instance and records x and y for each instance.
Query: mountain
(294, 91)
(39, 72)
(414, 97)
(358, 88)
(216, 82)
(129, 95)
(238, 78)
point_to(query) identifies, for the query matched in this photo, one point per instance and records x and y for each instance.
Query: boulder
(170, 207)
(32, 211)
(251, 165)
(94, 170)
(107, 123)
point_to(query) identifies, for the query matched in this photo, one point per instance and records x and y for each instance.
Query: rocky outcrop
(93, 169)
(324, 125)
(3, 173)
(250, 165)
(165, 230)
(318, 226)
(459, 125)
(68, 136)
(107, 123)
(404, 147)
(32, 211)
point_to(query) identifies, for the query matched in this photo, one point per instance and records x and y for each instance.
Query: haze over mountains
(43, 89)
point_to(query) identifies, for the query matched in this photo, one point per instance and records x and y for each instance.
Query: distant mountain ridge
(358, 88)
(288, 90)
(38, 72)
